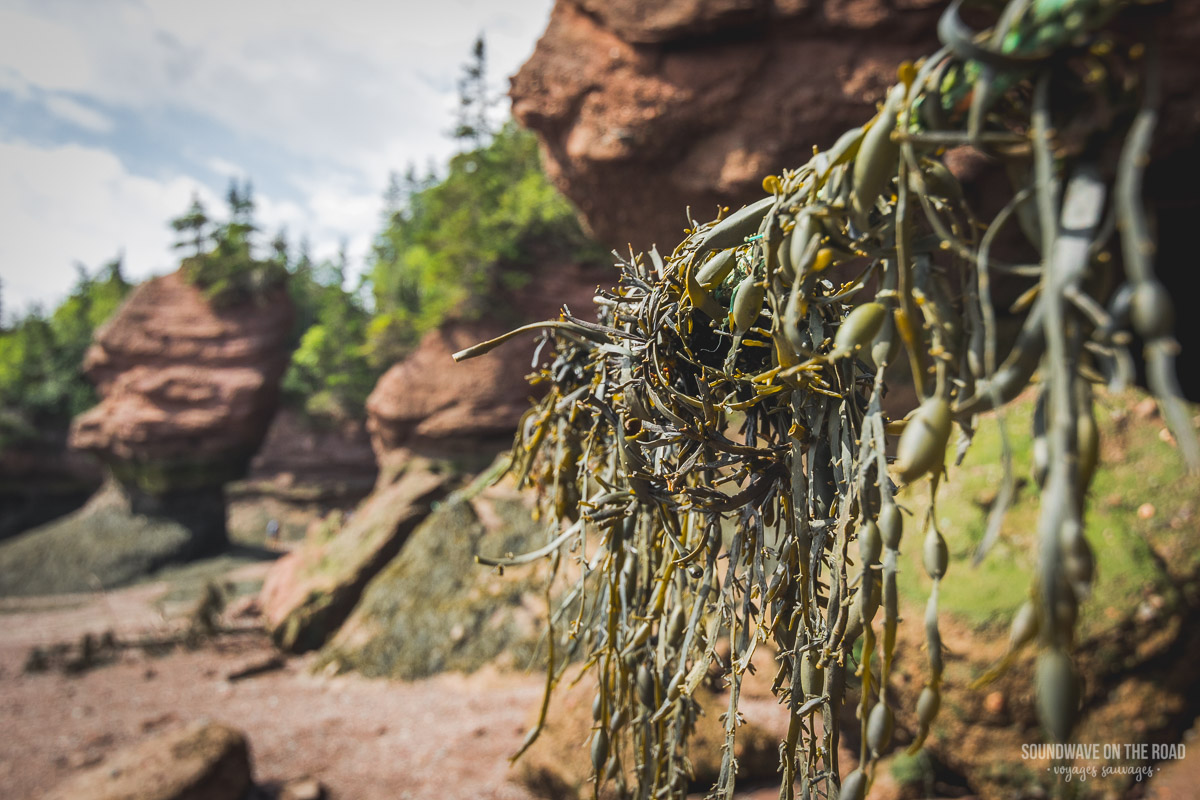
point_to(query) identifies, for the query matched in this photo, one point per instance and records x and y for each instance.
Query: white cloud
(48, 53)
(76, 113)
(110, 210)
(338, 82)
(331, 213)
(336, 94)
(12, 83)
(75, 204)
(224, 168)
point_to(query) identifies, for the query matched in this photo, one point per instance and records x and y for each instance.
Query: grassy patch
(1138, 467)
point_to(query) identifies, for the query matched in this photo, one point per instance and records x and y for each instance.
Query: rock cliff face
(296, 452)
(645, 109)
(304, 470)
(429, 405)
(187, 390)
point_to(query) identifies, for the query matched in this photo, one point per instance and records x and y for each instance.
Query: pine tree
(234, 236)
(114, 270)
(193, 227)
(280, 248)
(474, 99)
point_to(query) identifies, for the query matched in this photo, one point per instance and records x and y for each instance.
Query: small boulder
(204, 761)
(434, 609)
(310, 592)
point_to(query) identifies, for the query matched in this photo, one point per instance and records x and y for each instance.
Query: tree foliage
(329, 376)
(475, 99)
(458, 238)
(42, 385)
(224, 263)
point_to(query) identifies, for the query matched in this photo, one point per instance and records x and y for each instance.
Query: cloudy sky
(113, 113)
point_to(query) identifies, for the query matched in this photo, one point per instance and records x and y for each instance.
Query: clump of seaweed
(787, 316)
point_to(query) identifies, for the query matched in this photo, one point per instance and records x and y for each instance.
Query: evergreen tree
(474, 99)
(462, 238)
(330, 376)
(233, 238)
(280, 247)
(229, 272)
(193, 227)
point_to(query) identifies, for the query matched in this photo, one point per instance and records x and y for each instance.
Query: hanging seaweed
(715, 453)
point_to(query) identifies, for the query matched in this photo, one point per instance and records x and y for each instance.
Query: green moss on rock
(112, 541)
(434, 609)
(161, 477)
(1135, 554)
(312, 591)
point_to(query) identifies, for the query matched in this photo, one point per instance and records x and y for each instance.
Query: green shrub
(458, 239)
(42, 385)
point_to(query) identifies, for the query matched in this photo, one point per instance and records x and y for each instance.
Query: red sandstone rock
(297, 452)
(204, 761)
(689, 103)
(310, 592)
(430, 405)
(645, 109)
(429, 401)
(187, 388)
(653, 23)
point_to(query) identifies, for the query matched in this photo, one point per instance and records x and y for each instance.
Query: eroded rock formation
(645, 109)
(335, 456)
(305, 469)
(431, 406)
(187, 389)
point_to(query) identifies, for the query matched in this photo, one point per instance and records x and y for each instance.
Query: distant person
(273, 531)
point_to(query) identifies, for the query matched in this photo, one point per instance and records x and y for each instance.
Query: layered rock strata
(188, 390)
(427, 405)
